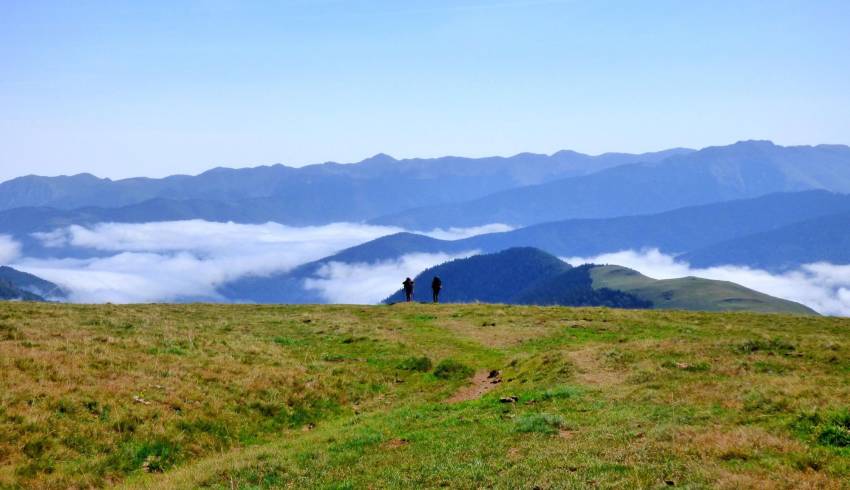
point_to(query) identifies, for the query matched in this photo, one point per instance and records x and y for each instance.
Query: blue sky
(153, 88)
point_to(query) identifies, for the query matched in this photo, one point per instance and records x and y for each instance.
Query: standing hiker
(436, 286)
(408, 289)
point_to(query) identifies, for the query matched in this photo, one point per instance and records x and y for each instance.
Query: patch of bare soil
(482, 383)
(589, 370)
(396, 443)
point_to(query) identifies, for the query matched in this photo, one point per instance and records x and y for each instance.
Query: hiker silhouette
(436, 286)
(408, 289)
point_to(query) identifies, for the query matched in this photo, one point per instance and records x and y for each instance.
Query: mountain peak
(755, 144)
(380, 158)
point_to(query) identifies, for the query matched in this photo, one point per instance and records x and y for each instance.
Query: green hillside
(420, 396)
(529, 276)
(691, 293)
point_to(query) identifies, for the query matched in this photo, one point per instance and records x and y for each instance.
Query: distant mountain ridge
(320, 193)
(743, 170)
(530, 276)
(423, 194)
(821, 239)
(678, 231)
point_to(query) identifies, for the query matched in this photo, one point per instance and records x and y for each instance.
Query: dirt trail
(482, 383)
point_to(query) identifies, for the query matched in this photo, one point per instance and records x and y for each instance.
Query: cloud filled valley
(190, 260)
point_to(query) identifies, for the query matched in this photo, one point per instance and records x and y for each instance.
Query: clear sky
(124, 88)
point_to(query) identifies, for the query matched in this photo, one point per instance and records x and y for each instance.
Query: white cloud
(459, 233)
(362, 283)
(168, 261)
(821, 286)
(212, 237)
(9, 249)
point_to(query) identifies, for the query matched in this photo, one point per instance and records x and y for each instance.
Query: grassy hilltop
(461, 396)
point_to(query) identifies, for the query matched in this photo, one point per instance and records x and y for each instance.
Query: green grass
(227, 396)
(692, 293)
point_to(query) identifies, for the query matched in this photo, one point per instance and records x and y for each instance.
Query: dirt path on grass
(482, 383)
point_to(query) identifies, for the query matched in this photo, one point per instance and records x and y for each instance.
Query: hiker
(436, 285)
(408, 289)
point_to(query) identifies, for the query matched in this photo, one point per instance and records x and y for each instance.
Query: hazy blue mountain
(742, 170)
(15, 284)
(10, 292)
(677, 231)
(823, 239)
(673, 232)
(315, 194)
(530, 276)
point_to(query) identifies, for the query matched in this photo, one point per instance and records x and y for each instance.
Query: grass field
(222, 396)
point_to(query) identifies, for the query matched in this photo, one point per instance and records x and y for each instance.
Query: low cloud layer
(213, 237)
(9, 249)
(361, 283)
(459, 233)
(821, 286)
(168, 261)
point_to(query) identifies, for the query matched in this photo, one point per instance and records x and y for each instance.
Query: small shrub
(835, 435)
(157, 456)
(451, 369)
(421, 364)
(836, 431)
(543, 423)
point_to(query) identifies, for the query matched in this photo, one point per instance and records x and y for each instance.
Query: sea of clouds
(186, 260)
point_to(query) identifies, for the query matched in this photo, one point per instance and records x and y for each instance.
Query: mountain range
(531, 276)
(314, 194)
(742, 170)
(422, 194)
(752, 203)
